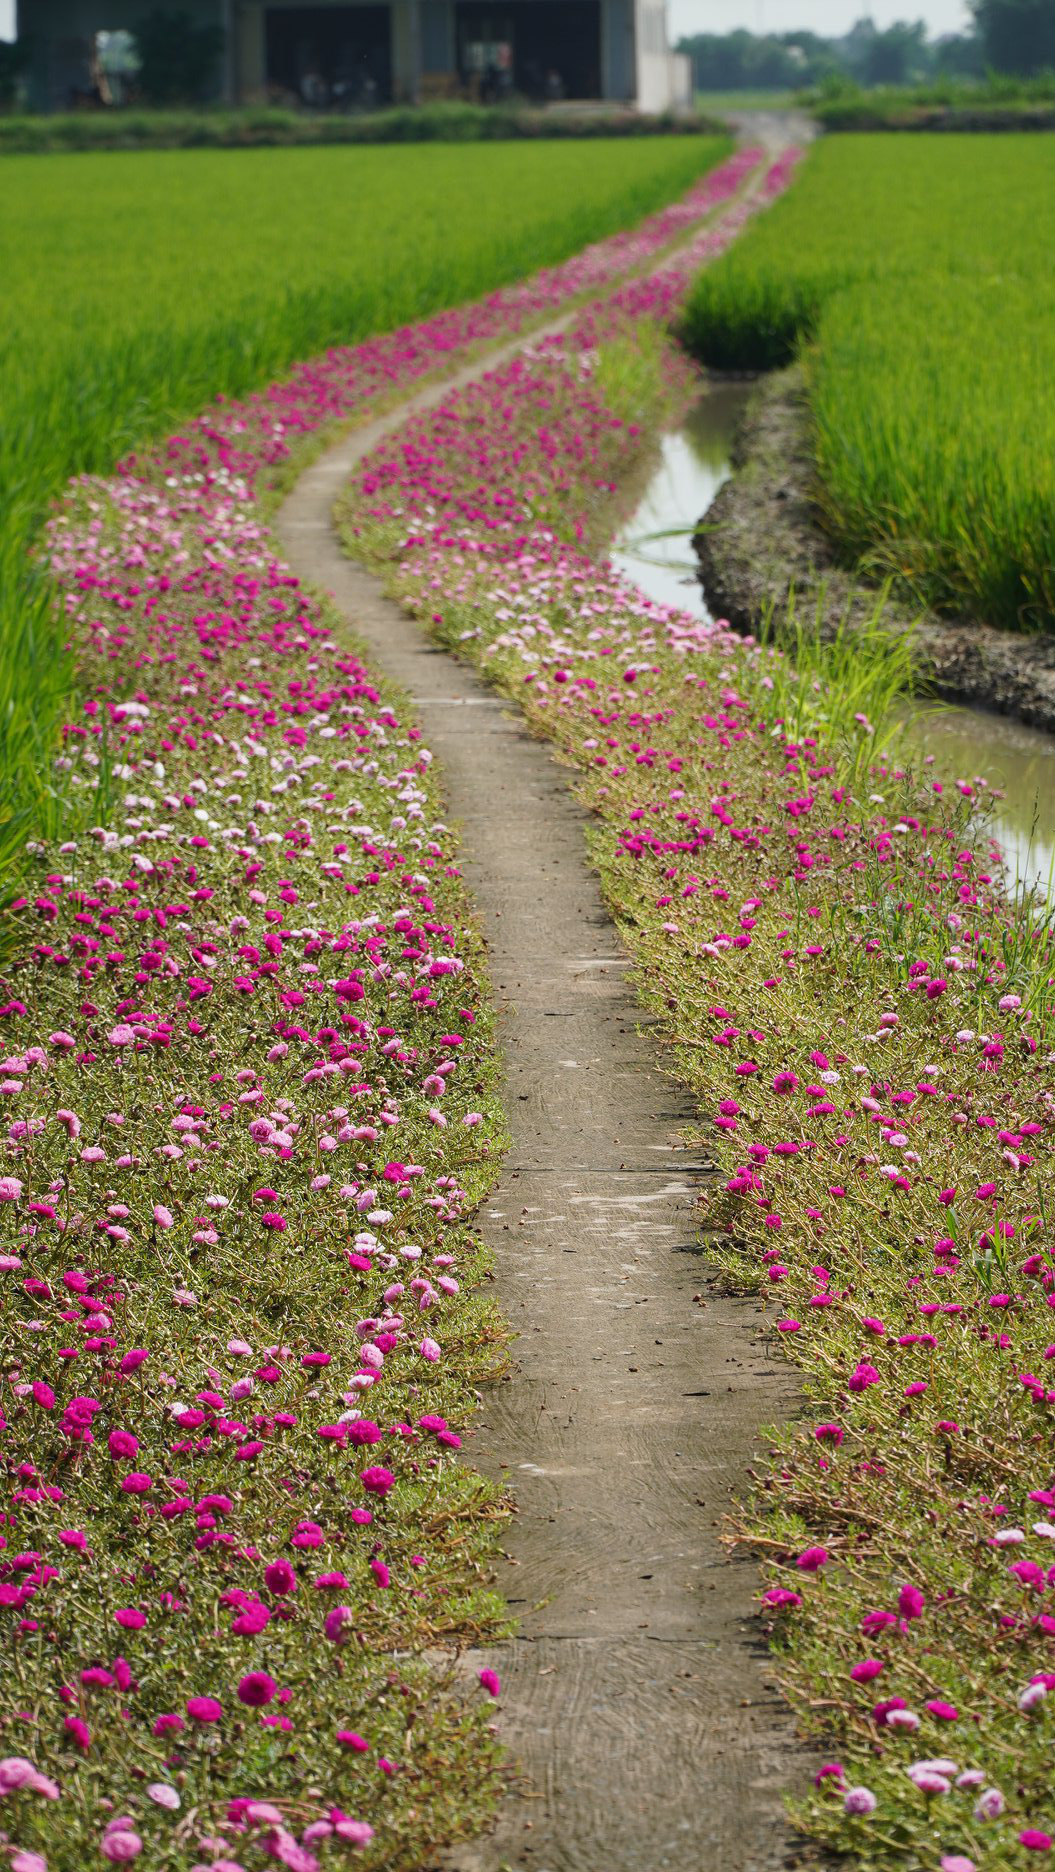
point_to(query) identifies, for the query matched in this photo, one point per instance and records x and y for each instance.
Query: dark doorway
(538, 48)
(331, 57)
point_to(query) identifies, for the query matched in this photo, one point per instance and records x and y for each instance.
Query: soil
(636, 1698)
(764, 539)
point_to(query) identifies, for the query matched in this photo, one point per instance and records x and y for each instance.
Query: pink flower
(10, 1189)
(1034, 1840)
(491, 1682)
(120, 1845)
(164, 1796)
(377, 1481)
(429, 1350)
(354, 1832)
(24, 1861)
(162, 1216)
(859, 1800)
(280, 1577)
(203, 1709)
(811, 1559)
(866, 1670)
(348, 1738)
(830, 1771)
(257, 1688)
(910, 1602)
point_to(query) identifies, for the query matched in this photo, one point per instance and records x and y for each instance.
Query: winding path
(635, 1699)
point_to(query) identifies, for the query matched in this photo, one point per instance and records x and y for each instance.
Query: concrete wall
(636, 63)
(654, 75)
(618, 57)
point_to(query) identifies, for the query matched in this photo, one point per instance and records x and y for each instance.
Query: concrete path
(634, 1697)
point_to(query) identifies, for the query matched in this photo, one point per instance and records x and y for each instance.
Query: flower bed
(249, 1071)
(865, 1014)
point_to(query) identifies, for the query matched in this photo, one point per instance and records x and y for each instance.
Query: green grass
(260, 126)
(719, 101)
(914, 277)
(137, 289)
(979, 103)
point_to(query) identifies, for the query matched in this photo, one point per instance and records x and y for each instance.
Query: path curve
(635, 1699)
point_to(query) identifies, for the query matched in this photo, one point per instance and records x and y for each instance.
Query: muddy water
(654, 550)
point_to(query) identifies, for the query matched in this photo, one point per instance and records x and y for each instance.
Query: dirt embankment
(764, 540)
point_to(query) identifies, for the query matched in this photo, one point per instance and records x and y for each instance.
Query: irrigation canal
(654, 550)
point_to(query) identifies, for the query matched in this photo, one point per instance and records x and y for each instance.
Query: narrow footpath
(635, 1703)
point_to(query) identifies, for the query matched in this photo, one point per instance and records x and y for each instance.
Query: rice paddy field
(913, 277)
(138, 287)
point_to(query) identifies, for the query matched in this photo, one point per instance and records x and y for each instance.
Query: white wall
(655, 90)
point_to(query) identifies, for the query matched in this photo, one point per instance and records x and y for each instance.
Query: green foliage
(1018, 35)
(266, 126)
(914, 278)
(761, 63)
(112, 334)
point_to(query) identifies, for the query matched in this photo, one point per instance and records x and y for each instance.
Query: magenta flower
(204, 1709)
(257, 1688)
(377, 1481)
(280, 1578)
(491, 1682)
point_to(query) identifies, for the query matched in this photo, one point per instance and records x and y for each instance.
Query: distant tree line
(1012, 36)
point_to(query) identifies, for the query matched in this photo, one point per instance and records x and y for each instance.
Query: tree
(897, 55)
(176, 57)
(1018, 35)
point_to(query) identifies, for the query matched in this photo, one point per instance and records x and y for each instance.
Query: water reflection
(693, 465)
(967, 744)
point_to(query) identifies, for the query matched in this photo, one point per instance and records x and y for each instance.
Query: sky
(822, 16)
(830, 17)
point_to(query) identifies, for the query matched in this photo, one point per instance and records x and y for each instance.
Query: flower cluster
(864, 1011)
(249, 1082)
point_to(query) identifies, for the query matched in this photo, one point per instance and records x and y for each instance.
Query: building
(347, 53)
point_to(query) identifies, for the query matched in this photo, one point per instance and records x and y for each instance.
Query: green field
(914, 277)
(137, 286)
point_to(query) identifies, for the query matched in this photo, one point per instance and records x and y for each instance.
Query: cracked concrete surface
(635, 1699)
